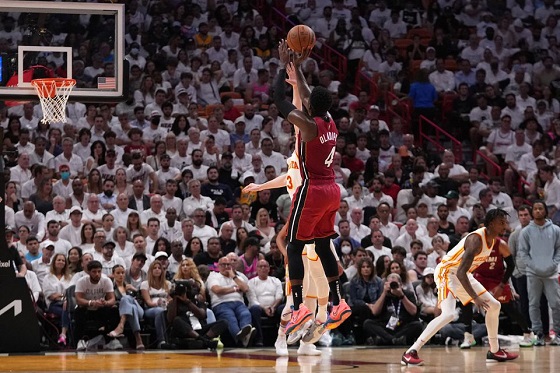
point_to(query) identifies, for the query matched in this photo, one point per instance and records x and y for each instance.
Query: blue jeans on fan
(210, 317)
(236, 314)
(130, 308)
(56, 308)
(158, 315)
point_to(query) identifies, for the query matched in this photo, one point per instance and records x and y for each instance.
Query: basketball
(300, 37)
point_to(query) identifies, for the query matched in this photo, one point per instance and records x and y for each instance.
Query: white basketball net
(53, 94)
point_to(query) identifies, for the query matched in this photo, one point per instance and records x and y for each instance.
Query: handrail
(458, 147)
(404, 112)
(496, 166)
(327, 54)
(373, 88)
(458, 151)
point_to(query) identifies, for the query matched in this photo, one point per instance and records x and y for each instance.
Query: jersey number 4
(330, 157)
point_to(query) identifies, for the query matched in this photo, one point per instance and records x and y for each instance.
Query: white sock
(311, 304)
(492, 321)
(321, 313)
(446, 316)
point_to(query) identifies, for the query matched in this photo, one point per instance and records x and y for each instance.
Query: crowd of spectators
(156, 183)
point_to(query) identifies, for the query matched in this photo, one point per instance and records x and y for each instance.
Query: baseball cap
(73, 209)
(227, 155)
(165, 155)
(155, 113)
(432, 183)
(240, 119)
(63, 166)
(161, 254)
(49, 245)
(541, 158)
(274, 61)
(517, 23)
(181, 91)
(430, 49)
(9, 228)
(374, 107)
(160, 90)
(428, 271)
(452, 194)
(140, 256)
(246, 175)
(109, 243)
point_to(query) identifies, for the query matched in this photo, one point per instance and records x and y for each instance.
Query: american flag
(106, 82)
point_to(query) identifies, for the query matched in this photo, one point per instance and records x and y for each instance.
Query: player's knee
(447, 316)
(494, 305)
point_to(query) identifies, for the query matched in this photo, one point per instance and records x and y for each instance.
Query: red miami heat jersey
(493, 267)
(316, 156)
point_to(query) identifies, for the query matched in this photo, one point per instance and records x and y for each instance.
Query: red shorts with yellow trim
(313, 212)
(491, 283)
(449, 285)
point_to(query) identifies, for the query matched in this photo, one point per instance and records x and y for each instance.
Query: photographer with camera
(186, 314)
(395, 321)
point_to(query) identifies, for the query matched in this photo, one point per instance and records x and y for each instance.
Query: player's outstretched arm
(292, 80)
(304, 122)
(303, 87)
(473, 246)
(284, 107)
(278, 182)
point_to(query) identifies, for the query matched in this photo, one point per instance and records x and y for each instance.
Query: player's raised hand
(299, 58)
(284, 52)
(292, 78)
(252, 188)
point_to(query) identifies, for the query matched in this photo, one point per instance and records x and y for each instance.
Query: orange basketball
(300, 37)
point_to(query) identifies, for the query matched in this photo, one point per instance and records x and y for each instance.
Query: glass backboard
(79, 40)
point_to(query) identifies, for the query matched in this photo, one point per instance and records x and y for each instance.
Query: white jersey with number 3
(293, 177)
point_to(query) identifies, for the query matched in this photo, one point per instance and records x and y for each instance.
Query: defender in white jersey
(455, 281)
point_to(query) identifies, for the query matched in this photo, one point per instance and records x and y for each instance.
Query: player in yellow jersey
(454, 279)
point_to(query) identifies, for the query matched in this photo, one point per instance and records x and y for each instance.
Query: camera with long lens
(394, 285)
(183, 287)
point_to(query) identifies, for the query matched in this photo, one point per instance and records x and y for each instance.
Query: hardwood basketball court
(348, 359)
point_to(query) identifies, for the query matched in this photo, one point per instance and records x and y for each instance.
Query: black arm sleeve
(284, 107)
(509, 270)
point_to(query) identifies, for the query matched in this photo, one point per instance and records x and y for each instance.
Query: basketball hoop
(53, 93)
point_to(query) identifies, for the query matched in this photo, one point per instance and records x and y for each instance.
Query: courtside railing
(457, 148)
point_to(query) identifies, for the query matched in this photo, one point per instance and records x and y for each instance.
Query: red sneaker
(501, 355)
(338, 315)
(411, 358)
(299, 318)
